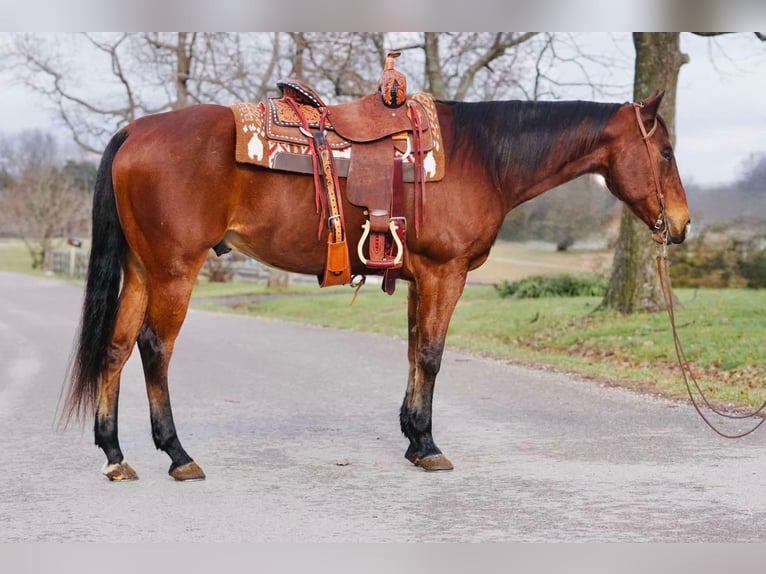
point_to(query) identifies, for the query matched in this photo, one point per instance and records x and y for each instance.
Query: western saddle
(377, 143)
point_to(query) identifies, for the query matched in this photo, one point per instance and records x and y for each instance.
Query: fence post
(71, 261)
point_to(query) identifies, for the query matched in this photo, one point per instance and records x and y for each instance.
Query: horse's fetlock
(414, 422)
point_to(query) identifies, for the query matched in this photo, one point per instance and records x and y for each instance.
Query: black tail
(102, 292)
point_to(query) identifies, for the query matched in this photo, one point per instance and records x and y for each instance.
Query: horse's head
(642, 170)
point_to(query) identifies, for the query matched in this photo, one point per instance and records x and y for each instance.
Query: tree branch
(497, 49)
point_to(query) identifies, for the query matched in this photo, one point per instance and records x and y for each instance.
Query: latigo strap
(328, 201)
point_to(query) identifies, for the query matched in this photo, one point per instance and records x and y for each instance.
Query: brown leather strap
(329, 179)
(655, 174)
(419, 176)
(327, 198)
(320, 196)
(337, 266)
(397, 214)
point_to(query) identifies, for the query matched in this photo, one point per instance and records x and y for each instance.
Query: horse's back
(187, 129)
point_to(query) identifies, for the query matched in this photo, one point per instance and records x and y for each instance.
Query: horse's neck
(519, 190)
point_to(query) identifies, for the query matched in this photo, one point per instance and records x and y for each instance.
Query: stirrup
(397, 242)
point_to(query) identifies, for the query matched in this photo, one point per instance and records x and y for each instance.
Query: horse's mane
(518, 136)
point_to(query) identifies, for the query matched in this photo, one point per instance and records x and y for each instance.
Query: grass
(204, 288)
(14, 256)
(721, 330)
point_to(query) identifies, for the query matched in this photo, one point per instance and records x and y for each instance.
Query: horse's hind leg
(130, 315)
(432, 299)
(168, 302)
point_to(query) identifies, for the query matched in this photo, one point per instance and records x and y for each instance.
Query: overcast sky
(721, 109)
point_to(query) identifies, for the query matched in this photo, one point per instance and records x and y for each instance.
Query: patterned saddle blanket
(269, 133)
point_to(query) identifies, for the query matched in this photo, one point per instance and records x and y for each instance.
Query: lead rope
(663, 270)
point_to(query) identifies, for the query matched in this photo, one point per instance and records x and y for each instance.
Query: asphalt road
(268, 408)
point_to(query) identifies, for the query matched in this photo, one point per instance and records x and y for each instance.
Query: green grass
(14, 256)
(722, 332)
(204, 288)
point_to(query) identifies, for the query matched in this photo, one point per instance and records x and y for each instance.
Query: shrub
(554, 286)
(719, 260)
(753, 269)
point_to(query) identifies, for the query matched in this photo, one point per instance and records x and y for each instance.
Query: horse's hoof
(119, 471)
(188, 471)
(434, 462)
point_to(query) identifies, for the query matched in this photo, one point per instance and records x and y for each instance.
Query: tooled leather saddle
(378, 143)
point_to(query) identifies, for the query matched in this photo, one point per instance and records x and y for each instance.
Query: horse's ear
(651, 105)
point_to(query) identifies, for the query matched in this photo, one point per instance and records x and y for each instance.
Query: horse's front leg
(432, 299)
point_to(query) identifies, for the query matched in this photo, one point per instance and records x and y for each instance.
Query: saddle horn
(392, 85)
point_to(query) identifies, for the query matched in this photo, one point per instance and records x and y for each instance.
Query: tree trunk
(184, 51)
(434, 73)
(634, 285)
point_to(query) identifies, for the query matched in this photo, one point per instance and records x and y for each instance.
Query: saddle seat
(362, 121)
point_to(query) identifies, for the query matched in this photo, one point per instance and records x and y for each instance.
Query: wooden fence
(73, 262)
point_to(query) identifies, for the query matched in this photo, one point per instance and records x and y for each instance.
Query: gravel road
(269, 408)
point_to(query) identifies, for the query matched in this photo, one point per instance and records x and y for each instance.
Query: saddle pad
(283, 124)
(265, 138)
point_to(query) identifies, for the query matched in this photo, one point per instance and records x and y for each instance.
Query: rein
(663, 270)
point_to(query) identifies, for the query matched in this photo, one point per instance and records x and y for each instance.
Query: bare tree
(139, 74)
(456, 66)
(232, 67)
(39, 200)
(340, 65)
(128, 75)
(508, 65)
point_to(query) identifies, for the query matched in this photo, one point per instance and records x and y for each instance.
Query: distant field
(14, 256)
(511, 261)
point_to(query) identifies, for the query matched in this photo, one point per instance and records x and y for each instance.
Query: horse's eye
(667, 153)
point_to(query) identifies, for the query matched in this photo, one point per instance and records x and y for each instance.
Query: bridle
(662, 219)
(663, 269)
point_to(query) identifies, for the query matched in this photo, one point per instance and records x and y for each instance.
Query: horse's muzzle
(671, 236)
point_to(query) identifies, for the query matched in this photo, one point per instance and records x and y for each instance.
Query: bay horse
(168, 190)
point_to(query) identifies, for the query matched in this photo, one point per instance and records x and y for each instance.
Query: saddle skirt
(268, 133)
